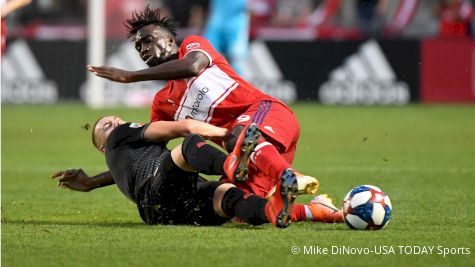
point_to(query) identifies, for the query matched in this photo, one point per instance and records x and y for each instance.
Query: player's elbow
(187, 127)
(195, 69)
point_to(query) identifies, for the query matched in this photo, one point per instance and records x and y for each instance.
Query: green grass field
(422, 156)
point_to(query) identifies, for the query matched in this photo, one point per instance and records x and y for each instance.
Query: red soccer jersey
(218, 95)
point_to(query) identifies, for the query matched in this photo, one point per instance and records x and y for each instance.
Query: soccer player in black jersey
(165, 184)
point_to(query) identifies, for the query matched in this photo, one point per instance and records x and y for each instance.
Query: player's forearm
(101, 180)
(13, 5)
(167, 130)
(206, 130)
(172, 70)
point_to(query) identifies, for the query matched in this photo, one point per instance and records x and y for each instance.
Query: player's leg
(165, 197)
(279, 129)
(237, 163)
(197, 155)
(275, 151)
(231, 201)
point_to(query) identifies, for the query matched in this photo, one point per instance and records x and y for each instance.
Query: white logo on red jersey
(269, 128)
(192, 45)
(204, 93)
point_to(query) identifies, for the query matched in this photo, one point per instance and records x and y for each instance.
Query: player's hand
(113, 74)
(75, 179)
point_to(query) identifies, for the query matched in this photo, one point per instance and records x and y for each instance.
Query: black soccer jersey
(131, 159)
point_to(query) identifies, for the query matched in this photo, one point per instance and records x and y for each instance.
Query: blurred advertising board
(367, 72)
(448, 70)
(363, 72)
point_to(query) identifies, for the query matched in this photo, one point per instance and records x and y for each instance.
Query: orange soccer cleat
(323, 210)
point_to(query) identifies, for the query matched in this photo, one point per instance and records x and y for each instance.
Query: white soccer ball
(366, 207)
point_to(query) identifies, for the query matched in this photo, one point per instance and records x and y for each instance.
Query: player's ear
(171, 40)
(102, 148)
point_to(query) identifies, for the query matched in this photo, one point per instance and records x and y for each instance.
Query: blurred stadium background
(312, 54)
(329, 51)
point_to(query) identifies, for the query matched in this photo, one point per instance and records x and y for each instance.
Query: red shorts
(280, 127)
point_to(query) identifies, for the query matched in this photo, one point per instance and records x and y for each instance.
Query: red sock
(268, 160)
(298, 213)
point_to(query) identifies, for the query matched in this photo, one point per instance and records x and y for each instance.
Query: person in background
(190, 14)
(227, 29)
(455, 18)
(371, 16)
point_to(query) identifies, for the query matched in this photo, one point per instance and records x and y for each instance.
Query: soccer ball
(366, 207)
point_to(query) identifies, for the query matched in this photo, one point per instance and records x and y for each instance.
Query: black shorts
(174, 196)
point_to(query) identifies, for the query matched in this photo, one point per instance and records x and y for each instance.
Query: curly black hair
(147, 17)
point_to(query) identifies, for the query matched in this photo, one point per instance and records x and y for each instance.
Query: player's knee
(189, 145)
(218, 197)
(231, 142)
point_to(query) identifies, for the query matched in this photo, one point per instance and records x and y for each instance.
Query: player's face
(155, 45)
(103, 129)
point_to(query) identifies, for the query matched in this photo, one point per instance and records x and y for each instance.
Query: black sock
(247, 207)
(202, 156)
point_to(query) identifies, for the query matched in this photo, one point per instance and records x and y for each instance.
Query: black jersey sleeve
(126, 133)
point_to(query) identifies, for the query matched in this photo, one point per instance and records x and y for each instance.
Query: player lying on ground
(165, 187)
(202, 156)
(202, 85)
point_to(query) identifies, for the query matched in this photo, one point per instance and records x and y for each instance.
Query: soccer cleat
(323, 210)
(307, 184)
(236, 164)
(279, 207)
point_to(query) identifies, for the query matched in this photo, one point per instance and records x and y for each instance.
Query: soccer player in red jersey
(203, 86)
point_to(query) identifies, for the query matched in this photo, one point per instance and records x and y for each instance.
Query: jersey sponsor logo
(135, 125)
(192, 45)
(366, 77)
(196, 104)
(204, 93)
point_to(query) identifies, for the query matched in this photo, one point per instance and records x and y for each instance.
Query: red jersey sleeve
(198, 43)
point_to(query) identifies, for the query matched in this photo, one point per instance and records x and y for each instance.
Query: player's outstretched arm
(189, 66)
(167, 130)
(12, 5)
(78, 180)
